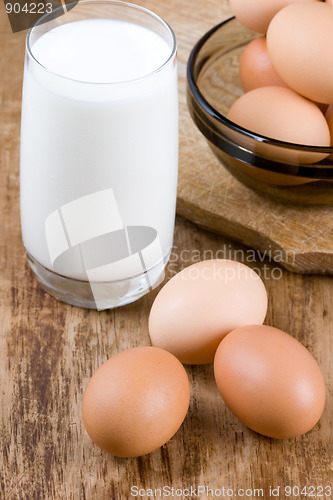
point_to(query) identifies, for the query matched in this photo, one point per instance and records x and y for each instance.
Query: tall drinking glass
(99, 152)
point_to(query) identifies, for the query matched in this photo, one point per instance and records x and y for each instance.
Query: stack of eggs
(287, 72)
(210, 312)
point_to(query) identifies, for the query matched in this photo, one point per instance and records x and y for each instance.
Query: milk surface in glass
(99, 153)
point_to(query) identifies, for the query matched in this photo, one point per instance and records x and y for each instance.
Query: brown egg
(257, 14)
(300, 46)
(201, 304)
(270, 381)
(282, 114)
(255, 67)
(136, 401)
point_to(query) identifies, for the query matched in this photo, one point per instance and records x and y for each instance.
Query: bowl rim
(216, 115)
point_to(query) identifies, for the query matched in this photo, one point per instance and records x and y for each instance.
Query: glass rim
(222, 119)
(120, 3)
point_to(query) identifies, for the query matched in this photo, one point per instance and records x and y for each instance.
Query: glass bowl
(213, 84)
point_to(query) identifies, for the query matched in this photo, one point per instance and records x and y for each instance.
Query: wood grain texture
(299, 237)
(49, 350)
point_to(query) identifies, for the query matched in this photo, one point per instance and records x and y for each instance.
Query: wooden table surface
(49, 350)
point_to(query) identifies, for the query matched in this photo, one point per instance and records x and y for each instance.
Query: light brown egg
(300, 46)
(282, 114)
(201, 304)
(136, 401)
(270, 381)
(255, 67)
(257, 14)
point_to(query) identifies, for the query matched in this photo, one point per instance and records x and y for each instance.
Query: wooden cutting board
(298, 237)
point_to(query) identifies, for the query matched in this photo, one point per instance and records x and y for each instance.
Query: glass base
(105, 295)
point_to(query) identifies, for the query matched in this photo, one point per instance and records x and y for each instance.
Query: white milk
(82, 134)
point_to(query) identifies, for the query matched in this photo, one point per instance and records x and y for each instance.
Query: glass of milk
(99, 152)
